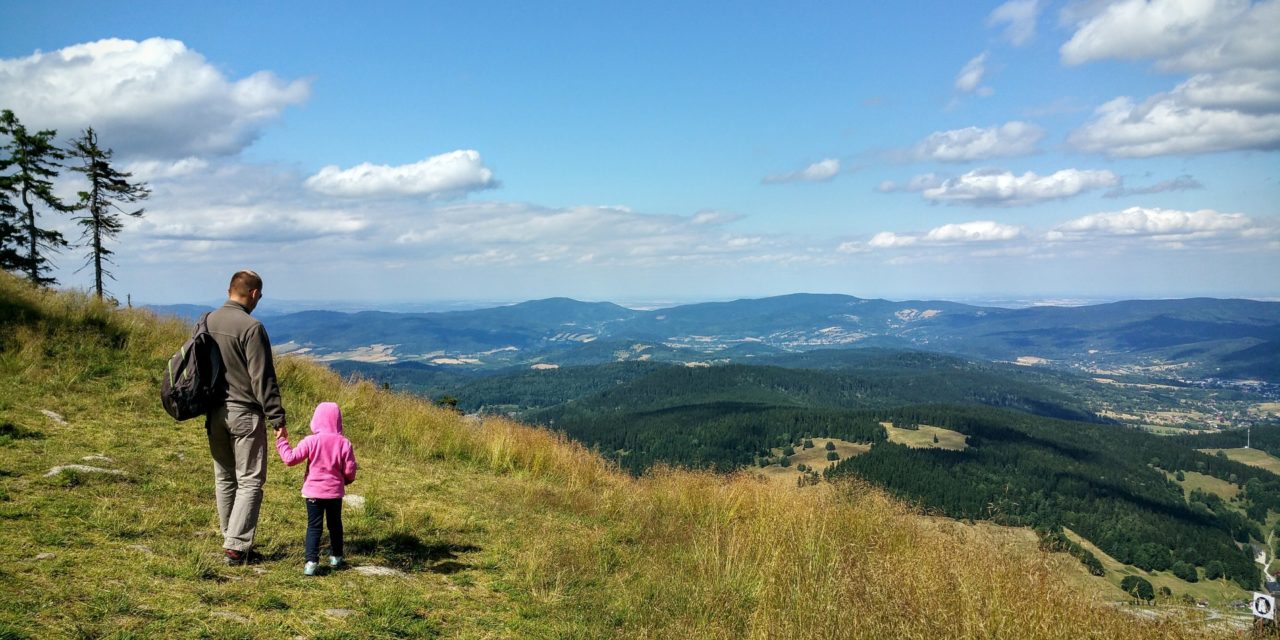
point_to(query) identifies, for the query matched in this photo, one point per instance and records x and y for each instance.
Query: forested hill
(1036, 455)
(1189, 339)
(1114, 486)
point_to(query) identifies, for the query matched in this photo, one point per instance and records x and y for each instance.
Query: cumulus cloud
(1180, 36)
(154, 98)
(1163, 224)
(1172, 124)
(1018, 18)
(993, 187)
(821, 171)
(947, 235)
(973, 143)
(1232, 101)
(447, 175)
(970, 76)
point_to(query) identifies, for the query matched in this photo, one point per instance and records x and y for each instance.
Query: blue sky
(659, 151)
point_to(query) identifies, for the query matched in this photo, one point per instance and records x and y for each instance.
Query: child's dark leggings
(319, 510)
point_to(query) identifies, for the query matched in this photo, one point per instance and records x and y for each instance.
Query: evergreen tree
(10, 235)
(29, 166)
(108, 189)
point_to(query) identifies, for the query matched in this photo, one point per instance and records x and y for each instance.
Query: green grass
(501, 530)
(1208, 484)
(1252, 457)
(923, 437)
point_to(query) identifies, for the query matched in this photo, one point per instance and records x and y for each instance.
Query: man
(237, 424)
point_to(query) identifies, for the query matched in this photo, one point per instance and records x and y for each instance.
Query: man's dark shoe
(239, 558)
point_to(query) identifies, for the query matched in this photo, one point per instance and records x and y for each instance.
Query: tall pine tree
(108, 189)
(29, 164)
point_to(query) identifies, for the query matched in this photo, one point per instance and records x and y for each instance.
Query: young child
(331, 466)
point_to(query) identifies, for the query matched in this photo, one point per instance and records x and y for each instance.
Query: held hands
(282, 434)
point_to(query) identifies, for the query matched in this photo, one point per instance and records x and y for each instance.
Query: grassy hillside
(497, 530)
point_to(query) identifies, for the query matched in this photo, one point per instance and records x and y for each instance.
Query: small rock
(230, 615)
(202, 534)
(141, 548)
(341, 613)
(82, 468)
(97, 457)
(44, 556)
(260, 570)
(54, 417)
(354, 501)
(372, 570)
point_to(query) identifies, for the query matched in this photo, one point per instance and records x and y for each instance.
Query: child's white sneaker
(336, 562)
(309, 569)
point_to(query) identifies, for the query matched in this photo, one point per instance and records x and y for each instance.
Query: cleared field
(1252, 457)
(1207, 484)
(1264, 408)
(815, 457)
(922, 438)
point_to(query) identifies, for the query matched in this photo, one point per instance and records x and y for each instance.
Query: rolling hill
(467, 529)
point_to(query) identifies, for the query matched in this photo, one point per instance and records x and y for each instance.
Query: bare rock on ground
(374, 570)
(54, 417)
(82, 468)
(354, 501)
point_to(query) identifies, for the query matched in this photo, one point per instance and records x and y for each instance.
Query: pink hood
(327, 419)
(331, 461)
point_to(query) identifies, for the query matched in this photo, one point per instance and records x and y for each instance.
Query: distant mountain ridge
(1190, 338)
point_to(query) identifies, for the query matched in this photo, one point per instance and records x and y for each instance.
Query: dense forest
(1036, 455)
(1104, 482)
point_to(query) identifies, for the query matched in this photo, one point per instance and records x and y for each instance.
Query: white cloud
(1019, 18)
(1181, 35)
(153, 98)
(971, 74)
(821, 171)
(1231, 103)
(447, 175)
(1164, 224)
(1255, 91)
(1168, 124)
(977, 231)
(948, 235)
(249, 223)
(148, 170)
(972, 143)
(989, 187)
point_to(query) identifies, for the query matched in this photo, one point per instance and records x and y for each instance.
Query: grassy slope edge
(501, 530)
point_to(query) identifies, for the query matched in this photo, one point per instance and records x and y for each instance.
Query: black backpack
(188, 387)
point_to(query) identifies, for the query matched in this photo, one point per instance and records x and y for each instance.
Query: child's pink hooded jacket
(331, 462)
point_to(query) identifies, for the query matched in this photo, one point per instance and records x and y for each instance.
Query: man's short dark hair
(244, 282)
